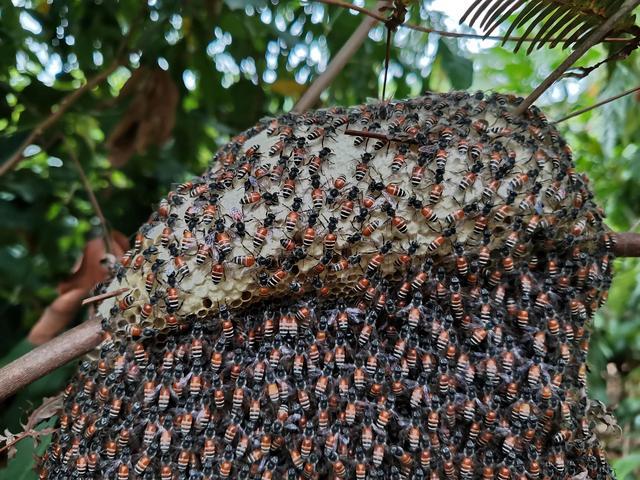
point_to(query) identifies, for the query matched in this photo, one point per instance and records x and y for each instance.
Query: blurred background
(178, 78)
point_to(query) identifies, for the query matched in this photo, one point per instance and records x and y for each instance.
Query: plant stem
(581, 49)
(104, 296)
(108, 242)
(443, 33)
(599, 104)
(351, 46)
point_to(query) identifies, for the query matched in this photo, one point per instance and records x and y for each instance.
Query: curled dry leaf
(50, 406)
(88, 271)
(57, 316)
(9, 440)
(149, 118)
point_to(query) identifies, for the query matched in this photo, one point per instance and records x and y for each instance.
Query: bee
(126, 302)
(400, 223)
(520, 179)
(394, 189)
(288, 188)
(436, 193)
(362, 168)
(417, 174)
(399, 159)
(244, 260)
(250, 198)
(204, 252)
(277, 147)
(318, 198)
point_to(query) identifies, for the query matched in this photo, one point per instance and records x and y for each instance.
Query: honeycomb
(400, 289)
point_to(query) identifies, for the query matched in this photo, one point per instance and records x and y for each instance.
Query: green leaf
(626, 466)
(458, 68)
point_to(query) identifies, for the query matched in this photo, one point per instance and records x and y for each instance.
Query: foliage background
(233, 62)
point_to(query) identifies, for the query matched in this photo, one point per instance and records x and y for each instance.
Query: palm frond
(547, 22)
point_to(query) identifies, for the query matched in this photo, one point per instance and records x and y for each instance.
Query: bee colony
(398, 290)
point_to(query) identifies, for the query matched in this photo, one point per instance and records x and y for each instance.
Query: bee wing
(210, 238)
(185, 379)
(199, 415)
(253, 181)
(236, 214)
(403, 422)
(410, 384)
(291, 425)
(384, 197)
(286, 350)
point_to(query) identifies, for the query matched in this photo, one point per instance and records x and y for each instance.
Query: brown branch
(627, 244)
(104, 296)
(56, 114)
(379, 136)
(366, 134)
(444, 33)
(108, 242)
(581, 49)
(338, 62)
(26, 434)
(46, 358)
(599, 104)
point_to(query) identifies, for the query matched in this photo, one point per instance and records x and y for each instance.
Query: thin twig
(26, 434)
(56, 114)
(443, 33)
(599, 104)
(387, 56)
(104, 296)
(49, 356)
(350, 6)
(46, 410)
(580, 50)
(351, 46)
(378, 136)
(50, 406)
(364, 133)
(108, 241)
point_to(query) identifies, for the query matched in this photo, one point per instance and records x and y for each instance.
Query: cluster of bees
(399, 290)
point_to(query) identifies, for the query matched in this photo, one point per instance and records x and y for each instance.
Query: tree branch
(443, 33)
(581, 49)
(108, 241)
(104, 296)
(56, 114)
(599, 104)
(351, 46)
(627, 244)
(46, 358)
